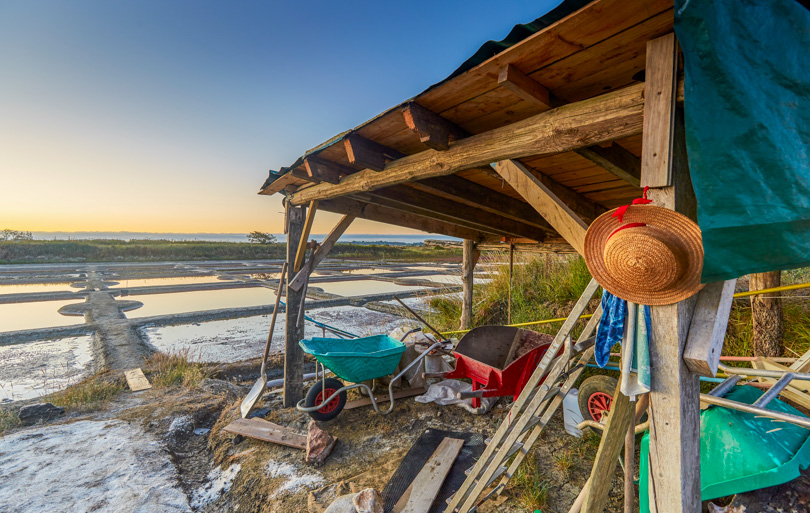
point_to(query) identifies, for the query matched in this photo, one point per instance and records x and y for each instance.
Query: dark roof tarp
(747, 95)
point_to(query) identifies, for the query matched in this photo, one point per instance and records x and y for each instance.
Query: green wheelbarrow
(354, 361)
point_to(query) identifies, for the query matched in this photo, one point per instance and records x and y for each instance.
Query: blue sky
(166, 115)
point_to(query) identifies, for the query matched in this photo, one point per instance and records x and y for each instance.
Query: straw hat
(649, 255)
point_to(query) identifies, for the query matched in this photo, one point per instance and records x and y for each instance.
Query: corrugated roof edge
(487, 51)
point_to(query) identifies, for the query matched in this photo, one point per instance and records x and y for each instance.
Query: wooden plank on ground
(384, 398)
(559, 215)
(802, 364)
(136, 380)
(261, 429)
(707, 330)
(659, 111)
(419, 496)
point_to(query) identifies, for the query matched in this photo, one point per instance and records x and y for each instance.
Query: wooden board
(384, 398)
(267, 431)
(659, 111)
(136, 380)
(419, 496)
(707, 331)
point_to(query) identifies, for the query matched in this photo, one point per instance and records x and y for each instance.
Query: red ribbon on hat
(619, 214)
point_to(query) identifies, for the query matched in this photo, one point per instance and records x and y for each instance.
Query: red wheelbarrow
(498, 359)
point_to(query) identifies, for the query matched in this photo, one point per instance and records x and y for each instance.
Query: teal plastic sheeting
(747, 106)
(741, 451)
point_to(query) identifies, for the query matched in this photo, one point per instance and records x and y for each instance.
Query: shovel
(258, 388)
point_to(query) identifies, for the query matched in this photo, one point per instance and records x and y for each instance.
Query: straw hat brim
(680, 229)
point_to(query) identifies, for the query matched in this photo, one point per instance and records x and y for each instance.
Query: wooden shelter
(530, 145)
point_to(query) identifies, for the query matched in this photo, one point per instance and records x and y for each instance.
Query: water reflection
(162, 282)
(41, 314)
(363, 287)
(181, 302)
(31, 288)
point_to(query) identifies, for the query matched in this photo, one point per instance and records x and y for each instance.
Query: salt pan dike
(62, 322)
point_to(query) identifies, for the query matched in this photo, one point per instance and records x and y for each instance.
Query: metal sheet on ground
(419, 454)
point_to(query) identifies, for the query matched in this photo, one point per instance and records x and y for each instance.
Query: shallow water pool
(162, 282)
(363, 287)
(40, 314)
(35, 288)
(181, 302)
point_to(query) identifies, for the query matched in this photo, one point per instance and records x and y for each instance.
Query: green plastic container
(356, 360)
(737, 451)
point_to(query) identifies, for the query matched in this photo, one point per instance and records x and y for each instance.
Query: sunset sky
(164, 116)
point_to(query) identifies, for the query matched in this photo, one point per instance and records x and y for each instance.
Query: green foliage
(261, 238)
(7, 234)
(106, 250)
(528, 486)
(89, 394)
(9, 419)
(543, 287)
(176, 369)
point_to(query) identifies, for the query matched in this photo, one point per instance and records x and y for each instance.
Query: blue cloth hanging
(611, 326)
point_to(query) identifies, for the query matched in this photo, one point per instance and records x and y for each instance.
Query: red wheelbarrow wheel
(595, 397)
(319, 392)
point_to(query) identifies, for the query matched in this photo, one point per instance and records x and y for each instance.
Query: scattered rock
(237, 439)
(368, 501)
(221, 387)
(260, 413)
(180, 427)
(343, 504)
(319, 444)
(201, 431)
(39, 413)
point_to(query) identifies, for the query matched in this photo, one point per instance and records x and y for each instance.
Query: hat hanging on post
(645, 254)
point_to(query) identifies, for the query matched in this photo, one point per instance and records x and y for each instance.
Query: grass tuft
(564, 460)
(9, 419)
(89, 394)
(528, 486)
(176, 369)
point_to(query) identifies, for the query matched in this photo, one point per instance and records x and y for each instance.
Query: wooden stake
(293, 355)
(470, 258)
(302, 245)
(511, 269)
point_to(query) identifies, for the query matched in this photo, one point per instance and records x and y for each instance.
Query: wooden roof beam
(469, 193)
(348, 206)
(302, 174)
(604, 118)
(433, 130)
(615, 159)
(325, 170)
(428, 204)
(369, 154)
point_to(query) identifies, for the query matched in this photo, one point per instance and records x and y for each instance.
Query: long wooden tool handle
(434, 330)
(281, 280)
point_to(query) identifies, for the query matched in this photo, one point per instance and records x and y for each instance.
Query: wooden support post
(302, 245)
(511, 274)
(558, 214)
(470, 258)
(293, 355)
(675, 390)
(323, 250)
(604, 465)
(766, 313)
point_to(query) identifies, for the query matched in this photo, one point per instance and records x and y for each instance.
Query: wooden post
(675, 390)
(766, 313)
(470, 258)
(293, 355)
(511, 274)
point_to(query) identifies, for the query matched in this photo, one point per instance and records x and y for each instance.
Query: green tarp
(747, 106)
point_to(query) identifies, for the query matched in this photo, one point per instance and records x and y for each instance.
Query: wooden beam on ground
(558, 214)
(433, 130)
(369, 154)
(707, 331)
(261, 429)
(616, 160)
(585, 123)
(293, 332)
(136, 380)
(659, 111)
(398, 218)
(419, 202)
(525, 87)
(486, 200)
(323, 250)
(325, 170)
(422, 492)
(469, 258)
(302, 246)
(604, 465)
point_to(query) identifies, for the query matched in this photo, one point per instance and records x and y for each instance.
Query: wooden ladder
(529, 414)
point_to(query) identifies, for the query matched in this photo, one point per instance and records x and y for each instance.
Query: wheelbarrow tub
(356, 360)
(491, 357)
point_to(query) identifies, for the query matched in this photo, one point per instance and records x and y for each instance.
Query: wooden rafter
(302, 175)
(586, 123)
(433, 130)
(369, 154)
(325, 170)
(524, 86)
(412, 200)
(552, 208)
(398, 218)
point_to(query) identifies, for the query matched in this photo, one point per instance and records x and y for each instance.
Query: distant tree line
(7, 234)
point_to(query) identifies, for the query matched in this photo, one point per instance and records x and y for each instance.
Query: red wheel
(598, 405)
(323, 390)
